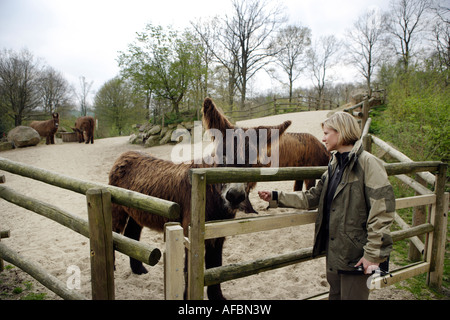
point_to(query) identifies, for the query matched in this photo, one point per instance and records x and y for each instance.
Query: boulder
(145, 127)
(23, 136)
(357, 95)
(6, 146)
(167, 137)
(152, 141)
(188, 125)
(163, 131)
(154, 130)
(132, 138)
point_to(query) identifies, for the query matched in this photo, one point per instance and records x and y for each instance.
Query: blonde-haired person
(356, 208)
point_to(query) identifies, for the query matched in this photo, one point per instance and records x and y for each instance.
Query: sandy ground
(58, 249)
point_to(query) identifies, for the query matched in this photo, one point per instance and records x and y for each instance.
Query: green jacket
(361, 212)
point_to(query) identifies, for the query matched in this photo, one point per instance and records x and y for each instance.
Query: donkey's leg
(298, 185)
(133, 231)
(213, 258)
(119, 220)
(310, 183)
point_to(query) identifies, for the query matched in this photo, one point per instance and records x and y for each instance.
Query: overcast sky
(83, 37)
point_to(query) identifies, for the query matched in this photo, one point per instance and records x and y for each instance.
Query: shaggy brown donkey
(295, 149)
(85, 124)
(167, 180)
(47, 128)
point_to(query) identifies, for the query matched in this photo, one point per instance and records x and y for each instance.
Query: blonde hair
(347, 127)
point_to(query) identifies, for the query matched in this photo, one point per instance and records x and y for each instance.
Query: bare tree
(406, 21)
(365, 44)
(252, 28)
(19, 74)
(321, 58)
(441, 37)
(291, 44)
(242, 42)
(223, 45)
(206, 36)
(85, 91)
(54, 90)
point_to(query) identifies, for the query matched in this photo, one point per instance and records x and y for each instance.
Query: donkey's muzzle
(235, 197)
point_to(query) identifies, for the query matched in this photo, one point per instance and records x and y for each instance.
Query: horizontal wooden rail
(230, 174)
(121, 196)
(415, 201)
(400, 274)
(135, 249)
(234, 227)
(244, 269)
(411, 232)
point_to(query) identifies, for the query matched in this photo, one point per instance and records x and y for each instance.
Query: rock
(132, 139)
(23, 136)
(188, 125)
(357, 96)
(167, 137)
(151, 141)
(6, 146)
(154, 130)
(163, 131)
(145, 127)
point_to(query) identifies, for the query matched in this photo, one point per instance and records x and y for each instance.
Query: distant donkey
(47, 128)
(85, 125)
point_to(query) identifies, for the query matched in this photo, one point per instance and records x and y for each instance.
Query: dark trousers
(348, 286)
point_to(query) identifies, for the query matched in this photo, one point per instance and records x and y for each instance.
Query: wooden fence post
(274, 105)
(436, 249)
(365, 112)
(196, 257)
(101, 244)
(174, 262)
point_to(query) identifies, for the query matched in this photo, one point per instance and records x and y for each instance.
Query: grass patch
(13, 286)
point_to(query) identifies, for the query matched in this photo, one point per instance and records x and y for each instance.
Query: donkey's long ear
(281, 129)
(213, 118)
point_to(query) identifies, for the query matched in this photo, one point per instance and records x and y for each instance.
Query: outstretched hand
(265, 195)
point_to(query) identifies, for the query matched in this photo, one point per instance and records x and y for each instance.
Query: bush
(417, 117)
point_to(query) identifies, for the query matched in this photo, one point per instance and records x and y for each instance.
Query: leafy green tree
(117, 107)
(164, 62)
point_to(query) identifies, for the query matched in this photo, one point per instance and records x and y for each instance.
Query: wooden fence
(433, 249)
(98, 228)
(281, 105)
